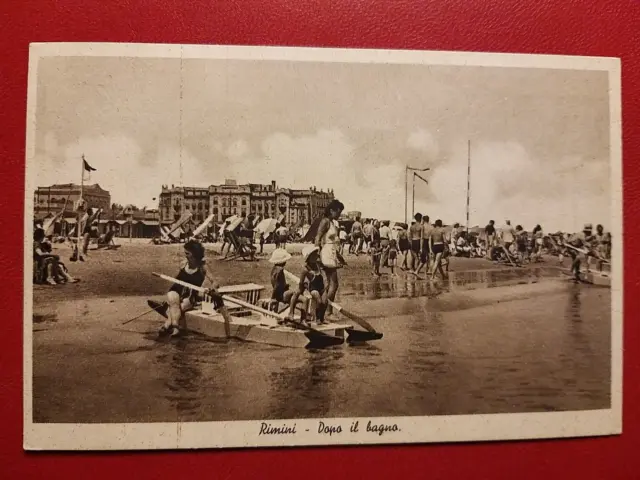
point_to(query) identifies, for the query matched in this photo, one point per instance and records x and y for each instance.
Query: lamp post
(406, 186)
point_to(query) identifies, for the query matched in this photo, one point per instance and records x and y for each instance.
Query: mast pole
(406, 186)
(80, 202)
(468, 180)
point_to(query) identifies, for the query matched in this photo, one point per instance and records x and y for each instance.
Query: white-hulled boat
(601, 279)
(252, 323)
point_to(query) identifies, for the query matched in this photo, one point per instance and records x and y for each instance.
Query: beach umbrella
(266, 226)
(234, 224)
(303, 230)
(397, 225)
(310, 235)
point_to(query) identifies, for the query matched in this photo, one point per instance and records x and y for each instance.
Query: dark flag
(88, 167)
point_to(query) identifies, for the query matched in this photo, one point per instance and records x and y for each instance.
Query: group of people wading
(422, 246)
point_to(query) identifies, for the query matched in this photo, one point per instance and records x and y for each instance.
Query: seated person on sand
(182, 299)
(462, 247)
(48, 263)
(312, 281)
(105, 239)
(281, 292)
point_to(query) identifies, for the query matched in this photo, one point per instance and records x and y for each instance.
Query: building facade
(52, 199)
(223, 201)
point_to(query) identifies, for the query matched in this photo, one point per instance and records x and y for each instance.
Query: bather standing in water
(438, 245)
(327, 240)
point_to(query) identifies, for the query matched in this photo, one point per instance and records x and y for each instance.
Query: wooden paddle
(586, 252)
(227, 321)
(142, 314)
(351, 316)
(508, 256)
(239, 302)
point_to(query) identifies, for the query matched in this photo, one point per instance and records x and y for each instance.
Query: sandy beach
(491, 340)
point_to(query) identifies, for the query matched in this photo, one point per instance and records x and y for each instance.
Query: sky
(539, 139)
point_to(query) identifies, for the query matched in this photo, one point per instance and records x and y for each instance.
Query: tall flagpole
(413, 195)
(468, 180)
(78, 229)
(406, 186)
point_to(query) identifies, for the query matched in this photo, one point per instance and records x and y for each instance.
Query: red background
(572, 27)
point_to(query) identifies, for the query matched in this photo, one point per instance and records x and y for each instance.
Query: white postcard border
(453, 428)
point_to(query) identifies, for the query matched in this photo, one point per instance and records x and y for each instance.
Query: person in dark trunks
(415, 234)
(490, 236)
(392, 257)
(312, 281)
(375, 250)
(521, 243)
(182, 299)
(367, 231)
(584, 241)
(357, 237)
(425, 251)
(404, 246)
(438, 246)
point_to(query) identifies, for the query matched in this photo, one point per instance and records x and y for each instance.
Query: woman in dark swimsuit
(181, 299)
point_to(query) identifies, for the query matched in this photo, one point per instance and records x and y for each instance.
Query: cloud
(119, 167)
(423, 141)
(507, 183)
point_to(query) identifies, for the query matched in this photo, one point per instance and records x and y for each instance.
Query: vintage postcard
(245, 247)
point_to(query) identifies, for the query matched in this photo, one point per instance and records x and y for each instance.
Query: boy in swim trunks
(281, 292)
(392, 257)
(312, 281)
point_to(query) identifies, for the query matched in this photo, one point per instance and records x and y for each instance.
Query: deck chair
(107, 241)
(241, 250)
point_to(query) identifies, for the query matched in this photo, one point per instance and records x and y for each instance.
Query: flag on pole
(88, 169)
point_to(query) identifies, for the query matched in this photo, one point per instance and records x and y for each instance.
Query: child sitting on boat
(312, 281)
(281, 292)
(181, 299)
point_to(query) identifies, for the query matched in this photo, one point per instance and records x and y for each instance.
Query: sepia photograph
(257, 247)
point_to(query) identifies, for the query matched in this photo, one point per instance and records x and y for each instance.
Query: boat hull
(259, 329)
(601, 280)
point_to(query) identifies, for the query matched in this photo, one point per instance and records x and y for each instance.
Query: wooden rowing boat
(251, 323)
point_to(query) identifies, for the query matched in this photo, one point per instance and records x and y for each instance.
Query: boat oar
(586, 252)
(142, 314)
(227, 321)
(239, 302)
(351, 316)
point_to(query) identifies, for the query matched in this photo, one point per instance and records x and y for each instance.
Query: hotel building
(297, 206)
